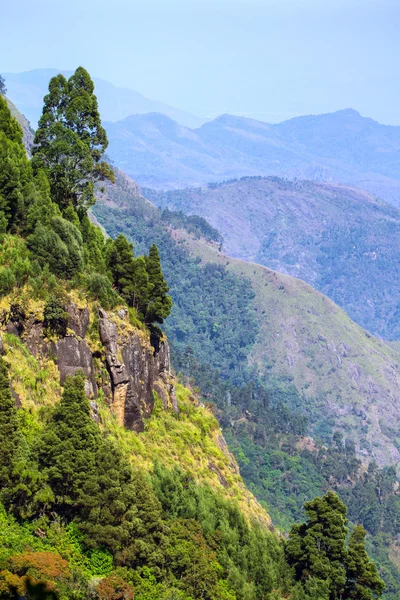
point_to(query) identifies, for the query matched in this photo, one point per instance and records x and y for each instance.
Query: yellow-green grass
(191, 439)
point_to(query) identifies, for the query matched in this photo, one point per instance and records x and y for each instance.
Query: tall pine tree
(363, 581)
(10, 438)
(160, 303)
(67, 451)
(317, 549)
(70, 141)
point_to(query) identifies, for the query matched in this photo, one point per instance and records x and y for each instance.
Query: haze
(263, 59)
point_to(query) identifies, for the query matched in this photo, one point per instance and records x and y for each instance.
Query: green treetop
(140, 281)
(121, 264)
(325, 567)
(16, 182)
(363, 581)
(160, 303)
(67, 450)
(70, 141)
(317, 549)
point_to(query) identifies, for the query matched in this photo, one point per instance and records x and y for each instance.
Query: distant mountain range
(27, 90)
(163, 147)
(339, 147)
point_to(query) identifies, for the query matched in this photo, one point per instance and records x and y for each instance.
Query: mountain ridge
(343, 147)
(302, 337)
(339, 239)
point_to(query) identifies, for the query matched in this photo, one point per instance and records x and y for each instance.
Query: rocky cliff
(117, 358)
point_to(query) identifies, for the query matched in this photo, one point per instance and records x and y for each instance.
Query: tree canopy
(70, 141)
(318, 553)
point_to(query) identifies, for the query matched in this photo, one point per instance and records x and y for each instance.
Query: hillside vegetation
(285, 329)
(115, 481)
(341, 240)
(348, 379)
(303, 393)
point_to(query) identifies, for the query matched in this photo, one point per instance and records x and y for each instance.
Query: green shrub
(7, 280)
(100, 288)
(55, 317)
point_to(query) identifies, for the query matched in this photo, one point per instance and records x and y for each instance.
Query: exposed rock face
(135, 372)
(74, 355)
(78, 319)
(34, 338)
(134, 369)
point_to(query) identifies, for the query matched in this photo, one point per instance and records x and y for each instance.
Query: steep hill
(115, 480)
(342, 146)
(341, 240)
(344, 377)
(300, 389)
(27, 90)
(348, 379)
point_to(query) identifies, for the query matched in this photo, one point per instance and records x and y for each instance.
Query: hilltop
(341, 147)
(341, 240)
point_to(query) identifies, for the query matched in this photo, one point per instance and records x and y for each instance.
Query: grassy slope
(193, 440)
(349, 379)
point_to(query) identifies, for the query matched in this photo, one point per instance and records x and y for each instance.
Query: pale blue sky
(261, 58)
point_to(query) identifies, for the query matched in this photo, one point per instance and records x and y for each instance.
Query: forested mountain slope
(273, 324)
(115, 481)
(342, 147)
(341, 240)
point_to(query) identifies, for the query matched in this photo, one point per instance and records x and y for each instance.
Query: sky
(267, 59)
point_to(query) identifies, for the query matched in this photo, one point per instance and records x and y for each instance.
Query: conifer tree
(130, 275)
(160, 303)
(124, 514)
(16, 182)
(363, 581)
(121, 264)
(67, 451)
(70, 141)
(317, 548)
(10, 438)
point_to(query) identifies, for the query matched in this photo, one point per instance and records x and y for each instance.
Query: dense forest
(80, 515)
